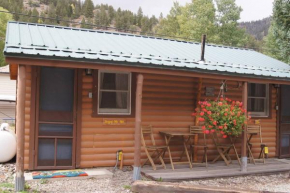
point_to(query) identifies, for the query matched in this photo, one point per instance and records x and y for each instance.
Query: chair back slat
(147, 131)
(255, 129)
(197, 130)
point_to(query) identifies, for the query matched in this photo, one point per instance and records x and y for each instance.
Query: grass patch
(128, 187)
(7, 185)
(43, 181)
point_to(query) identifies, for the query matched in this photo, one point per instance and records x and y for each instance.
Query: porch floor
(218, 169)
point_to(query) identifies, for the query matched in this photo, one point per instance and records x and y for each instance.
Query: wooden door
(285, 121)
(55, 119)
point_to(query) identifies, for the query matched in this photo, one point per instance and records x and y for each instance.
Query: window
(114, 93)
(258, 99)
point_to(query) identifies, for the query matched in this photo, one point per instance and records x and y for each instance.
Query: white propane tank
(7, 143)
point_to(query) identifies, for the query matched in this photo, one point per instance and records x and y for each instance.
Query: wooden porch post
(20, 110)
(244, 134)
(137, 137)
(196, 120)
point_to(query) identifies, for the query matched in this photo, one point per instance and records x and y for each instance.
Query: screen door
(55, 118)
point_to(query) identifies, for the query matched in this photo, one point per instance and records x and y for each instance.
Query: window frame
(129, 95)
(267, 111)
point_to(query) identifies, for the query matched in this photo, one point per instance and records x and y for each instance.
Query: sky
(252, 9)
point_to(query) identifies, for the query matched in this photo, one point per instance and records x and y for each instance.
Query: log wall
(27, 116)
(168, 102)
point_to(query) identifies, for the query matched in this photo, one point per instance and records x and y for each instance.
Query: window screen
(258, 99)
(114, 93)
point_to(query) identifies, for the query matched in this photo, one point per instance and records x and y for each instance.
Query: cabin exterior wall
(167, 104)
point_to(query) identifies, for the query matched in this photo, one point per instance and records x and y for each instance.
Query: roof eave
(143, 65)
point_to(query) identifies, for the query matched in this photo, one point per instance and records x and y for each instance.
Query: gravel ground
(121, 182)
(274, 183)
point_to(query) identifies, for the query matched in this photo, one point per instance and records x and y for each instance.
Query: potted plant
(223, 116)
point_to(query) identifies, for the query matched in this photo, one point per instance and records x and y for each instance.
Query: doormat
(58, 174)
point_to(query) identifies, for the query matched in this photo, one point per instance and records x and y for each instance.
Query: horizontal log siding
(168, 102)
(27, 116)
(268, 125)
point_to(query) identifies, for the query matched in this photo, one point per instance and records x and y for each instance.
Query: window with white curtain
(258, 99)
(114, 93)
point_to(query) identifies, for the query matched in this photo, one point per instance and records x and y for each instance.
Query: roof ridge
(128, 34)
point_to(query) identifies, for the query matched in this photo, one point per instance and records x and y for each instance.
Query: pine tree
(97, 20)
(281, 28)
(104, 20)
(139, 16)
(89, 8)
(111, 13)
(90, 23)
(83, 23)
(35, 14)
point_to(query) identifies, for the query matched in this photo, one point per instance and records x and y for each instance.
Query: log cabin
(83, 94)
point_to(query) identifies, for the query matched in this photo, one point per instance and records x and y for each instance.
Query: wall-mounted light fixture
(89, 72)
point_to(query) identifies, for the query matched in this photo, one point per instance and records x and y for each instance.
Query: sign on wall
(112, 121)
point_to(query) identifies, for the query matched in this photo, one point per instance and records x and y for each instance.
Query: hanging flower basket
(224, 116)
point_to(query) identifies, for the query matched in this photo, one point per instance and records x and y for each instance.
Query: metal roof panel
(64, 42)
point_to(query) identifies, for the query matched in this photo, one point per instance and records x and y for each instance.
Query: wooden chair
(198, 131)
(251, 131)
(152, 151)
(224, 149)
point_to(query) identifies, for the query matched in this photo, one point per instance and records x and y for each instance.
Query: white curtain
(121, 84)
(259, 103)
(101, 84)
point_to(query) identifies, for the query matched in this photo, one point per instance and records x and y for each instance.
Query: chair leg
(223, 156)
(191, 153)
(251, 156)
(237, 155)
(205, 153)
(161, 159)
(150, 159)
(227, 152)
(186, 153)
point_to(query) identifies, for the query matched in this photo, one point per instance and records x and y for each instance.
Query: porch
(218, 169)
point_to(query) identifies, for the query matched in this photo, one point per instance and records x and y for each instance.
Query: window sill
(97, 115)
(260, 117)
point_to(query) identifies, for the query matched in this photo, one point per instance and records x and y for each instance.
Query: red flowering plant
(223, 116)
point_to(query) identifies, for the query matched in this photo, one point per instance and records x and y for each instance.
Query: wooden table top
(175, 133)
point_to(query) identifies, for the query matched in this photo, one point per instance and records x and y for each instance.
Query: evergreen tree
(89, 8)
(89, 23)
(35, 14)
(41, 19)
(4, 18)
(104, 20)
(97, 20)
(139, 16)
(281, 29)
(118, 20)
(270, 46)
(111, 13)
(51, 14)
(83, 23)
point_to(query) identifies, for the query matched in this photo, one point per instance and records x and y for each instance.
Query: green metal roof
(38, 40)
